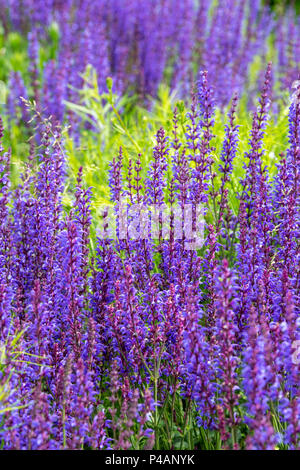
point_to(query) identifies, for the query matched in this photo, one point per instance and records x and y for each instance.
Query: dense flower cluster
(140, 45)
(105, 344)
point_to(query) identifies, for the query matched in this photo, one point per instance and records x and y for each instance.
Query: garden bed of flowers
(149, 225)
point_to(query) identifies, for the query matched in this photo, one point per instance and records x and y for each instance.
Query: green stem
(125, 128)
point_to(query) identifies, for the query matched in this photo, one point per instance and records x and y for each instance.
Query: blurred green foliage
(117, 121)
(281, 5)
(109, 121)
